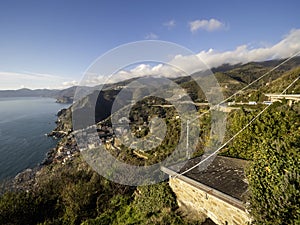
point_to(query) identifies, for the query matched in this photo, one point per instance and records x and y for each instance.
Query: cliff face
(64, 123)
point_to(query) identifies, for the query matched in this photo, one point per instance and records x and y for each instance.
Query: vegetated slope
(100, 103)
(280, 84)
(106, 96)
(71, 193)
(276, 86)
(272, 145)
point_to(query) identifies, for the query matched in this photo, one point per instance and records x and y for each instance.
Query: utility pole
(187, 139)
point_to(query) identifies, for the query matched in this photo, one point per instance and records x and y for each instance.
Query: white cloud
(27, 75)
(243, 54)
(208, 25)
(70, 83)
(17, 80)
(285, 48)
(211, 58)
(151, 36)
(170, 24)
(41, 75)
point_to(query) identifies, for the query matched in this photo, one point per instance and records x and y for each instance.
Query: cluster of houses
(94, 136)
(83, 139)
(67, 151)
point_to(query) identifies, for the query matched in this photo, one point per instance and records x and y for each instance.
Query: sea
(24, 123)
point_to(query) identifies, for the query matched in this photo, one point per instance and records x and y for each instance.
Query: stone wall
(218, 210)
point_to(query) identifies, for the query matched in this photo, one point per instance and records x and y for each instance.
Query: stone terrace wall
(216, 209)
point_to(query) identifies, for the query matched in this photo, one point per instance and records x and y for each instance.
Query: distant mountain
(62, 96)
(230, 77)
(25, 92)
(292, 63)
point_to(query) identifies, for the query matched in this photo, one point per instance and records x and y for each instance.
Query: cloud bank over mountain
(287, 47)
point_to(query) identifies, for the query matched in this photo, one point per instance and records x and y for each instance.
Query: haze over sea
(24, 122)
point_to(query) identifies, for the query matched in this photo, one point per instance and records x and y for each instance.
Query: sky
(51, 43)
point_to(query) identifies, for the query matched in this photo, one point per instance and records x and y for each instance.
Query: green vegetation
(74, 194)
(271, 85)
(274, 173)
(154, 204)
(275, 183)
(64, 195)
(278, 85)
(272, 143)
(274, 123)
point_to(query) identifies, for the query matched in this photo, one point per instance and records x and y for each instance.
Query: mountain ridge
(240, 74)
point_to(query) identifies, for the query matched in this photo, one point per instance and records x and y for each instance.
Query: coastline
(26, 179)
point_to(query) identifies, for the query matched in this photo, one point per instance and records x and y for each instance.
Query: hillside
(275, 86)
(143, 112)
(279, 85)
(230, 77)
(66, 190)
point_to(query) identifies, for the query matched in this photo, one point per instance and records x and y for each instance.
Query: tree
(274, 181)
(274, 174)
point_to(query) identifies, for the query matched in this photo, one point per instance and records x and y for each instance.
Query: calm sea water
(23, 125)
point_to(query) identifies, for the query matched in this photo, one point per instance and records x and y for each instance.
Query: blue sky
(44, 44)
